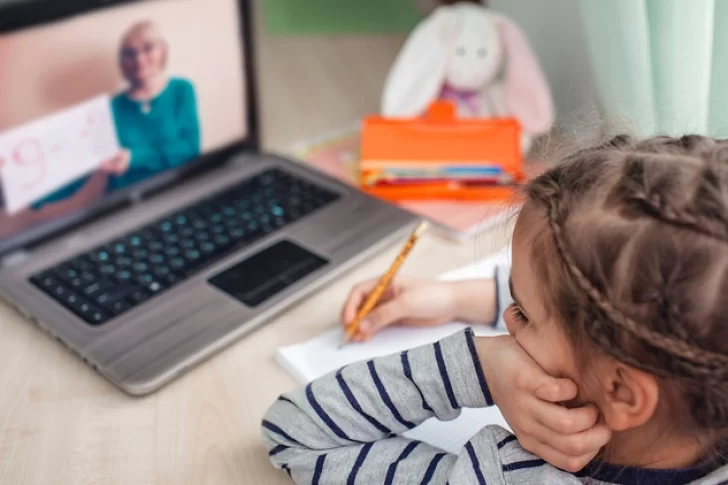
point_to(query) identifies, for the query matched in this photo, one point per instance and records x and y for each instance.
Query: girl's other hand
(530, 402)
(407, 301)
(118, 164)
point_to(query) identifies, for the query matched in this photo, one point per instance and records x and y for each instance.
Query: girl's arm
(473, 307)
(345, 426)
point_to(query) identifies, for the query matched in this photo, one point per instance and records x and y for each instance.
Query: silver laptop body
(178, 325)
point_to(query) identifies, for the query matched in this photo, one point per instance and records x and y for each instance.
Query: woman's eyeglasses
(132, 53)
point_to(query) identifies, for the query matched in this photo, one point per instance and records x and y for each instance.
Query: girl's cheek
(544, 351)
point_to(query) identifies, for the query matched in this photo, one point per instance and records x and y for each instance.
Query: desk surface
(60, 423)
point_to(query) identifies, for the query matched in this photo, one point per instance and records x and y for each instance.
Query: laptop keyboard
(109, 280)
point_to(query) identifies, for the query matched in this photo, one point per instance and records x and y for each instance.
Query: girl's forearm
(475, 300)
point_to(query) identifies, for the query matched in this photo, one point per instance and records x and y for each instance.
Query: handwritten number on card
(29, 154)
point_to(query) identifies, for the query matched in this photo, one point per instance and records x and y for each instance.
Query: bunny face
(471, 49)
(474, 56)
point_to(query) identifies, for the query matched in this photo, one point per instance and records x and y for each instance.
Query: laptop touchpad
(267, 273)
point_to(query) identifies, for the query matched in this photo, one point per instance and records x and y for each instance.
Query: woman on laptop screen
(156, 122)
(156, 117)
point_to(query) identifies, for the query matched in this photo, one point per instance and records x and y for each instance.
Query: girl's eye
(517, 314)
(460, 51)
(482, 52)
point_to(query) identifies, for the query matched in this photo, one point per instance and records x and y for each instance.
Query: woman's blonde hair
(143, 25)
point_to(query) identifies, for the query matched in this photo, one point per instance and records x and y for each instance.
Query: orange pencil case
(440, 143)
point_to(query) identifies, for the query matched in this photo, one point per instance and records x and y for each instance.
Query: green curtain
(660, 65)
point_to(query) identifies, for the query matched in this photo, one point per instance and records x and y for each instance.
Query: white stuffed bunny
(475, 57)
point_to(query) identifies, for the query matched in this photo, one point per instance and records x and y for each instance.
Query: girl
(618, 280)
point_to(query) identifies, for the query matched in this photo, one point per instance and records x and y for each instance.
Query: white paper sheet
(320, 355)
(42, 156)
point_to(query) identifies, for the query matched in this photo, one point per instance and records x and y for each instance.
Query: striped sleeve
(348, 424)
(503, 298)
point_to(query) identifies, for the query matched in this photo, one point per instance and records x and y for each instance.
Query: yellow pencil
(382, 285)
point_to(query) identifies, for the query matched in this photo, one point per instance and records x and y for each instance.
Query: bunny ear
(418, 72)
(527, 91)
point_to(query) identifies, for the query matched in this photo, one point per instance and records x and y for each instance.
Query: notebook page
(321, 355)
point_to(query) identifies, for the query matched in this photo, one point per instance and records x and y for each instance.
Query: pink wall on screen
(48, 68)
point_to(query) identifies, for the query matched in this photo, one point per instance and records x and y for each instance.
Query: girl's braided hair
(639, 230)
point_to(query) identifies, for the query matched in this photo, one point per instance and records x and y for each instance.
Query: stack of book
(336, 153)
(440, 157)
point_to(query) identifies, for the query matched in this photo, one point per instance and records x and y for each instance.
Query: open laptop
(175, 236)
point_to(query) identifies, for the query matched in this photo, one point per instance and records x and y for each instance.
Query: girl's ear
(630, 396)
(526, 89)
(418, 72)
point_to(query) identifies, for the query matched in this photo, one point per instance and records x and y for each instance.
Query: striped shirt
(346, 427)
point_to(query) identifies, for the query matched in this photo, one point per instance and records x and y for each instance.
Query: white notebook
(320, 355)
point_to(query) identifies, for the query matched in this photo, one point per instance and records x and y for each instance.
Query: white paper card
(319, 356)
(45, 155)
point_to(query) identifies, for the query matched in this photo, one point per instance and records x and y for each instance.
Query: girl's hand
(530, 402)
(118, 164)
(407, 301)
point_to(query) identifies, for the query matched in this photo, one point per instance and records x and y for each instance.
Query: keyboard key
(118, 307)
(140, 266)
(123, 275)
(170, 238)
(135, 241)
(171, 252)
(97, 317)
(87, 312)
(161, 272)
(177, 263)
(124, 262)
(99, 256)
(145, 279)
(107, 269)
(155, 287)
(59, 292)
(138, 296)
(207, 247)
(112, 295)
(77, 283)
(93, 289)
(166, 226)
(140, 253)
(169, 279)
(67, 273)
(44, 281)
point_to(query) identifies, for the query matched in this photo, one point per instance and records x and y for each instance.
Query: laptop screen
(98, 104)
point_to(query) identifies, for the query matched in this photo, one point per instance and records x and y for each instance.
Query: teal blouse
(164, 136)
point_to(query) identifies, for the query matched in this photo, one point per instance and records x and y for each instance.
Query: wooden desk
(60, 423)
